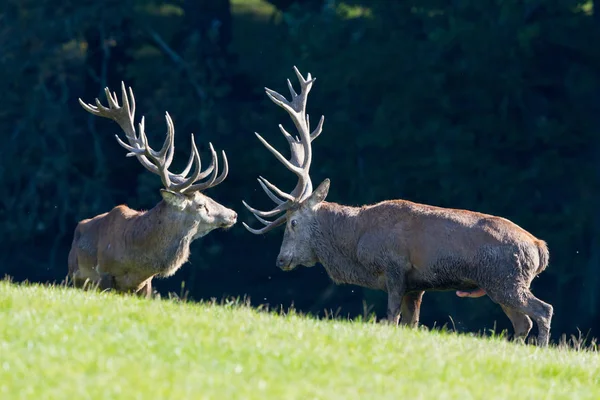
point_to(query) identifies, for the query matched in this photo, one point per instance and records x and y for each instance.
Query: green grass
(62, 343)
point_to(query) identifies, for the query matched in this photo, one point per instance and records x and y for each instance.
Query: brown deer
(124, 249)
(398, 246)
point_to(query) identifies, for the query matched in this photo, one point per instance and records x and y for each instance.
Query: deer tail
(544, 256)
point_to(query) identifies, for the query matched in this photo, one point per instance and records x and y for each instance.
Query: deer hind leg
(146, 289)
(133, 284)
(411, 308)
(521, 322)
(523, 301)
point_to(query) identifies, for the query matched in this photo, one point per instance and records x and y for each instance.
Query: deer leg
(521, 323)
(106, 282)
(84, 280)
(77, 281)
(523, 301)
(541, 313)
(146, 289)
(411, 308)
(395, 288)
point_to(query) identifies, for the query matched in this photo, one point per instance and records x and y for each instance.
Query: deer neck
(163, 221)
(335, 238)
(166, 234)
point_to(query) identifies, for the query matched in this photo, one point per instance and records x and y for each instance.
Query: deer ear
(319, 194)
(173, 198)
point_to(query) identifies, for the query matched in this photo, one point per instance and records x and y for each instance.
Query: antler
(157, 162)
(301, 155)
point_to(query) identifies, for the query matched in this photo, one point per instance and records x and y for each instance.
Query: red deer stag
(398, 246)
(124, 249)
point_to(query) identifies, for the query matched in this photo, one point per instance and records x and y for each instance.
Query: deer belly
(357, 275)
(441, 286)
(437, 281)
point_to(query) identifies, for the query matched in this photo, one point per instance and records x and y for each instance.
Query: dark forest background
(488, 105)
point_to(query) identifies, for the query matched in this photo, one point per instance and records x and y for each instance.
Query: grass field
(61, 343)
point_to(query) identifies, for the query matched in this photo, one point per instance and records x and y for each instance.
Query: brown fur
(124, 248)
(406, 248)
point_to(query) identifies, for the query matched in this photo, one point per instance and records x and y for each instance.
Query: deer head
(299, 206)
(181, 193)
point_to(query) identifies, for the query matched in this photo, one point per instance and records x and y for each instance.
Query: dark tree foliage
(486, 105)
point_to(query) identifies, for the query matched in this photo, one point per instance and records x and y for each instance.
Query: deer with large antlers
(398, 246)
(124, 249)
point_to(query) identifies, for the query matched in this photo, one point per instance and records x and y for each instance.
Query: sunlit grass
(59, 343)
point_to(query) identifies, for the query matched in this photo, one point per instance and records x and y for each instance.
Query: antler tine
(212, 170)
(167, 151)
(267, 214)
(269, 193)
(315, 134)
(303, 179)
(124, 95)
(292, 91)
(149, 158)
(158, 157)
(288, 136)
(188, 166)
(127, 105)
(263, 221)
(184, 181)
(275, 189)
(279, 156)
(305, 86)
(225, 171)
(272, 225)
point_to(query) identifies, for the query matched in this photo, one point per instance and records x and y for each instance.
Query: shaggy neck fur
(334, 240)
(162, 236)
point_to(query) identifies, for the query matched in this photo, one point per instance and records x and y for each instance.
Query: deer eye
(294, 223)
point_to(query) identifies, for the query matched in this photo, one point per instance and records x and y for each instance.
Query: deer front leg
(106, 282)
(396, 287)
(411, 308)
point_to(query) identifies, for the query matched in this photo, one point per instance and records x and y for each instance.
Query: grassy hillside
(58, 343)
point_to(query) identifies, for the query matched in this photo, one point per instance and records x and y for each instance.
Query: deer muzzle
(284, 263)
(229, 219)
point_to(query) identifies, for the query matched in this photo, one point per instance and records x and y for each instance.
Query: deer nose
(282, 262)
